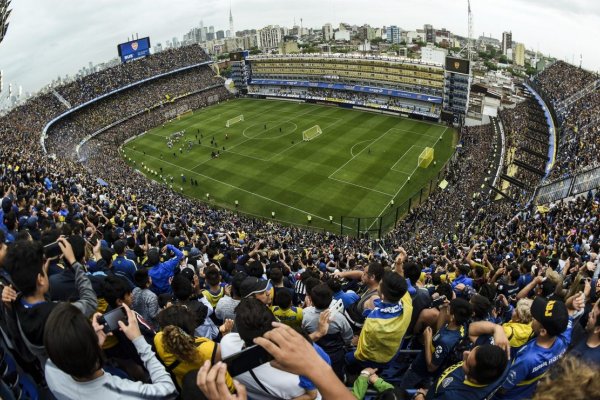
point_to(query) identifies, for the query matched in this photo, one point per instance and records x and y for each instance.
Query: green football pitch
(356, 167)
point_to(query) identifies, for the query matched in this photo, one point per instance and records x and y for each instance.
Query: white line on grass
(357, 154)
(301, 141)
(239, 188)
(405, 153)
(360, 186)
(404, 184)
(356, 144)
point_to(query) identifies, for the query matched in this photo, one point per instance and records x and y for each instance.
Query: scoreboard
(134, 49)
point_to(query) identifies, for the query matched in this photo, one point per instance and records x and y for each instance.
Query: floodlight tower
(470, 40)
(469, 46)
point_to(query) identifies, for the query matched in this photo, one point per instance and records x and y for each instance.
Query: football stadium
(336, 212)
(353, 164)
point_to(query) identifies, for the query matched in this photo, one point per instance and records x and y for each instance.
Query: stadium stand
(525, 276)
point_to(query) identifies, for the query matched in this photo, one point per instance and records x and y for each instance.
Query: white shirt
(280, 384)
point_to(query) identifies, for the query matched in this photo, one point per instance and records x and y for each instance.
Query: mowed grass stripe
(292, 179)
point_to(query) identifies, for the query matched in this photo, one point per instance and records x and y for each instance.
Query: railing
(377, 227)
(568, 187)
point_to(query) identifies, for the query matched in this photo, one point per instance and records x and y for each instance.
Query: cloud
(51, 38)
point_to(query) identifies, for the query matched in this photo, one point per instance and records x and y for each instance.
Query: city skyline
(46, 41)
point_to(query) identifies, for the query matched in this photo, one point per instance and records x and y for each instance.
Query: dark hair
(481, 306)
(276, 275)
(412, 272)
(252, 319)
(491, 362)
(114, 288)
(212, 275)
(164, 299)
(236, 282)
(393, 287)
(71, 342)
(436, 278)
(178, 315)
(255, 268)
(25, 261)
(334, 284)
(514, 274)
(310, 283)
(376, 270)
(321, 296)
(182, 287)
(119, 246)
(283, 298)
(461, 309)
(444, 289)
(464, 269)
(488, 291)
(141, 278)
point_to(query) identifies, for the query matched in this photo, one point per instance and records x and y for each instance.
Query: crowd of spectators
(580, 137)
(64, 135)
(91, 86)
(464, 283)
(527, 141)
(452, 209)
(577, 118)
(357, 98)
(561, 80)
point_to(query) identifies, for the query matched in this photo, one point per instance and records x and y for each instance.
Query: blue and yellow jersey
(291, 316)
(383, 330)
(531, 364)
(213, 297)
(454, 384)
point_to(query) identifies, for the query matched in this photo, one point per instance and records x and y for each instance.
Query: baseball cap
(194, 253)
(552, 314)
(252, 285)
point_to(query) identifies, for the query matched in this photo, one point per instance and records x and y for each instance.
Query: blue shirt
(306, 383)
(586, 353)
(530, 365)
(162, 272)
(125, 267)
(453, 385)
(443, 344)
(465, 280)
(348, 298)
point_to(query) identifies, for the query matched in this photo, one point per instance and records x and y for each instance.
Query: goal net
(235, 120)
(311, 133)
(426, 157)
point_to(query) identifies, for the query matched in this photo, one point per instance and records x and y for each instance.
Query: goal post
(235, 120)
(311, 133)
(426, 157)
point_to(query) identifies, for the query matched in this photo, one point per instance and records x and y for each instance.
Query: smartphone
(52, 250)
(111, 319)
(438, 302)
(246, 360)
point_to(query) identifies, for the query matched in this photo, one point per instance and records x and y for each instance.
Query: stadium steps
(529, 168)
(514, 181)
(536, 139)
(539, 131)
(501, 193)
(534, 153)
(62, 99)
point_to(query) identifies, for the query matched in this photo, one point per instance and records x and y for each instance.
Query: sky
(47, 39)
